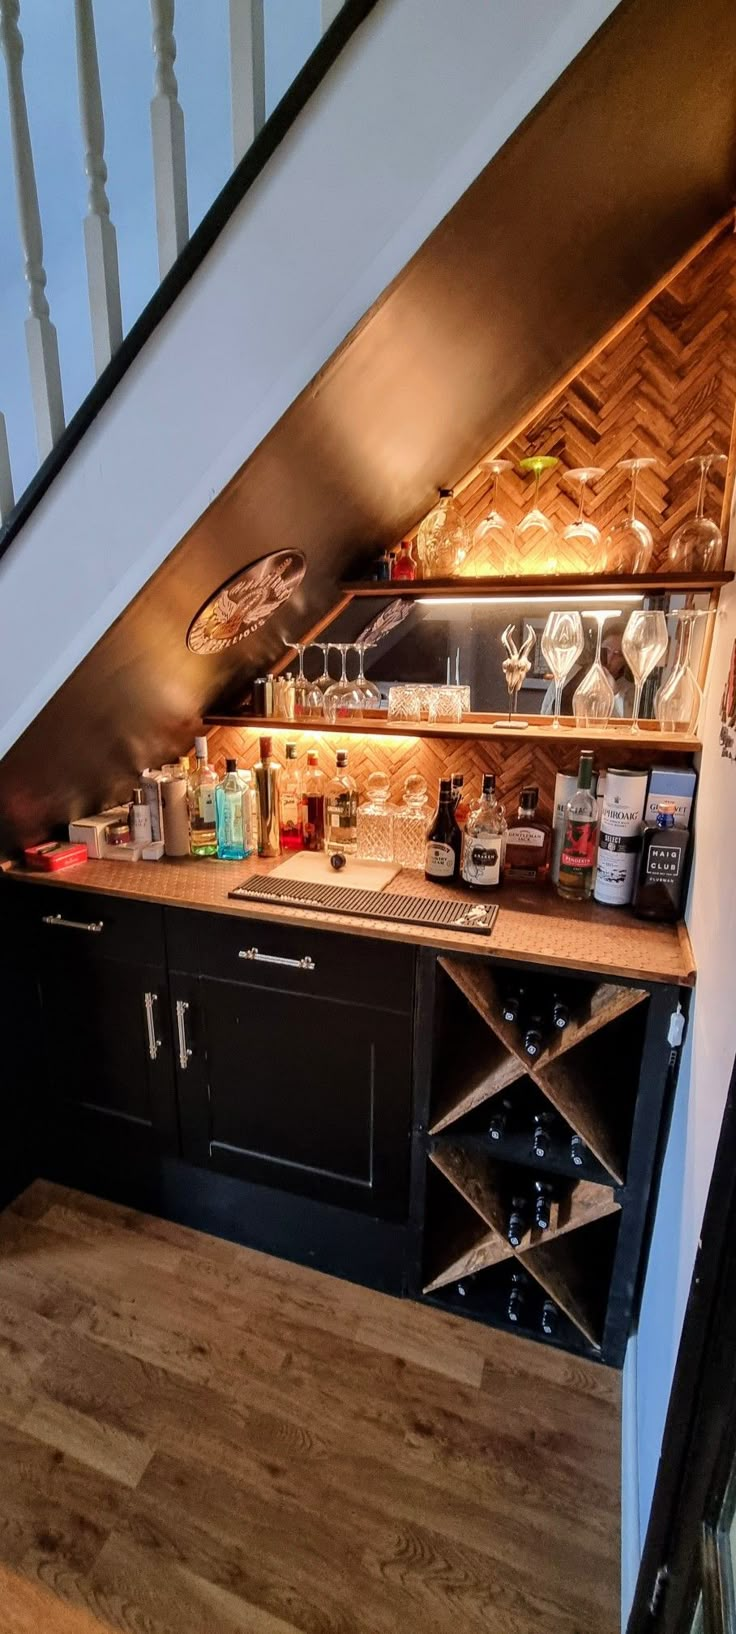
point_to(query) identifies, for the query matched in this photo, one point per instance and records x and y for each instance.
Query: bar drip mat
(478, 917)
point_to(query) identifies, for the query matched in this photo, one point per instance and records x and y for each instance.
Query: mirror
(429, 635)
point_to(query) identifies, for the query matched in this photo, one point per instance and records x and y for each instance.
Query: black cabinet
(294, 1058)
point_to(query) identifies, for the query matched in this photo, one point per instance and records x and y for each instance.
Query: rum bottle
(341, 808)
(580, 843)
(528, 841)
(444, 840)
(267, 774)
(290, 803)
(313, 805)
(485, 834)
(201, 789)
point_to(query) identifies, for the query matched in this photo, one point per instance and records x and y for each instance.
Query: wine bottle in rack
(518, 1220)
(560, 1013)
(511, 1004)
(542, 1204)
(498, 1124)
(542, 1132)
(549, 1318)
(516, 1298)
(577, 1151)
(533, 1035)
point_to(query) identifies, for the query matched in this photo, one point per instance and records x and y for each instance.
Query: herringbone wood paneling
(665, 386)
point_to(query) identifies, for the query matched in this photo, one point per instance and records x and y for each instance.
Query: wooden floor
(197, 1439)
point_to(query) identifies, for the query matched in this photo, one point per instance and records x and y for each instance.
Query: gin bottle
(485, 836)
(201, 804)
(341, 808)
(376, 821)
(229, 811)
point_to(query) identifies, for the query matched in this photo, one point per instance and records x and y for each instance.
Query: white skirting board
(630, 1509)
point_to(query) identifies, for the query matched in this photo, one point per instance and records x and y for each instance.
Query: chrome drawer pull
(274, 959)
(72, 924)
(154, 1043)
(181, 1023)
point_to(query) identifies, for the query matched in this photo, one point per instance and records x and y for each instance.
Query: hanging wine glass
(678, 701)
(324, 681)
(535, 536)
(644, 645)
(313, 698)
(343, 697)
(371, 693)
(493, 538)
(593, 700)
(443, 539)
(301, 684)
(629, 545)
(562, 643)
(697, 545)
(583, 534)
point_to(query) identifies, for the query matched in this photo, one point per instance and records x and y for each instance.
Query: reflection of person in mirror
(615, 665)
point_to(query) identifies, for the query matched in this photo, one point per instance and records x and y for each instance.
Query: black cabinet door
(308, 1094)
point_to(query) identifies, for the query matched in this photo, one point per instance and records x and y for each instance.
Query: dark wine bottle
(549, 1318)
(560, 1013)
(518, 1220)
(661, 877)
(542, 1133)
(498, 1125)
(444, 840)
(511, 1004)
(516, 1297)
(534, 1036)
(542, 1204)
(577, 1151)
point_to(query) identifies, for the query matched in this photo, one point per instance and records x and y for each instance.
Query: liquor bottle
(313, 805)
(404, 565)
(549, 1318)
(290, 803)
(620, 835)
(518, 1220)
(461, 805)
(565, 786)
(498, 1125)
(444, 840)
(267, 775)
(542, 1133)
(580, 844)
(661, 877)
(250, 812)
(528, 841)
(542, 1204)
(201, 804)
(577, 1151)
(485, 833)
(516, 1297)
(229, 815)
(341, 808)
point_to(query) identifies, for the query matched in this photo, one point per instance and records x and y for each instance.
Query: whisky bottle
(485, 834)
(290, 803)
(444, 840)
(313, 805)
(341, 808)
(229, 810)
(267, 774)
(528, 841)
(580, 844)
(659, 885)
(201, 804)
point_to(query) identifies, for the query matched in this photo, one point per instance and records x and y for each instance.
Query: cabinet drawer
(296, 960)
(82, 925)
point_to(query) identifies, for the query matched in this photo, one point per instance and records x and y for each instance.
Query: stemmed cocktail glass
(493, 534)
(371, 693)
(583, 533)
(628, 548)
(697, 545)
(562, 643)
(678, 701)
(343, 697)
(593, 700)
(535, 535)
(644, 645)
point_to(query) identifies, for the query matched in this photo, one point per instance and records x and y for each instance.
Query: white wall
(404, 122)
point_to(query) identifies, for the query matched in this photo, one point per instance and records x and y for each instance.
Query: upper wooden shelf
(546, 587)
(649, 740)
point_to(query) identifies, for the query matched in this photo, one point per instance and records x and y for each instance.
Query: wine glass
(697, 545)
(324, 681)
(628, 548)
(582, 533)
(371, 693)
(535, 535)
(313, 697)
(442, 539)
(678, 700)
(562, 643)
(594, 698)
(493, 536)
(301, 684)
(644, 644)
(343, 697)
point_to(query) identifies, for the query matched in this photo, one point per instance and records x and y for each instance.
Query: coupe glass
(678, 701)
(562, 643)
(443, 539)
(697, 545)
(535, 536)
(582, 534)
(493, 537)
(628, 548)
(343, 697)
(644, 645)
(371, 693)
(593, 700)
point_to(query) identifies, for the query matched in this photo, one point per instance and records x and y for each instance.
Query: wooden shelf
(546, 588)
(649, 740)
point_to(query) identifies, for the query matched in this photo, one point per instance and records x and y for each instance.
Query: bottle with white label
(529, 842)
(444, 839)
(140, 819)
(201, 802)
(620, 837)
(485, 837)
(565, 786)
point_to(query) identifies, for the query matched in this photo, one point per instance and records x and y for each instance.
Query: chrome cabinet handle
(72, 924)
(154, 1043)
(181, 1023)
(273, 959)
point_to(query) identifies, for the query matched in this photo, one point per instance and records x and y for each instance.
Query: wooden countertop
(533, 924)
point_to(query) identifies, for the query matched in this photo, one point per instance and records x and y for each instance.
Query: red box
(54, 855)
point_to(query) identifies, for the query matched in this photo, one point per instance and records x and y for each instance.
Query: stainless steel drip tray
(394, 907)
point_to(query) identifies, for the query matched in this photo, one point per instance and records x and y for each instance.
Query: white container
(140, 819)
(565, 786)
(152, 782)
(91, 830)
(176, 816)
(622, 813)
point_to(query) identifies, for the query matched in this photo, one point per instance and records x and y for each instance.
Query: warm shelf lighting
(538, 595)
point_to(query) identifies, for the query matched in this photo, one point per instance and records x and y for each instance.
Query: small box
(120, 853)
(670, 783)
(90, 831)
(151, 782)
(55, 855)
(153, 852)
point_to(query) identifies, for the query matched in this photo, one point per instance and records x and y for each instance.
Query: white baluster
(7, 499)
(100, 242)
(167, 131)
(41, 341)
(329, 10)
(247, 73)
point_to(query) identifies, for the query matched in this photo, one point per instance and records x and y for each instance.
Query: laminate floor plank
(203, 1439)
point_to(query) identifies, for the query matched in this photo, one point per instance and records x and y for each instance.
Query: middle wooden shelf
(649, 741)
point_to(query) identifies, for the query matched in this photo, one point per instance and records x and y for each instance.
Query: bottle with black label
(661, 878)
(528, 842)
(485, 837)
(444, 840)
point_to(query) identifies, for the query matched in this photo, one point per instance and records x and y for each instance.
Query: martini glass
(581, 533)
(593, 700)
(535, 535)
(697, 545)
(644, 644)
(628, 548)
(562, 643)
(493, 536)
(343, 697)
(371, 693)
(678, 701)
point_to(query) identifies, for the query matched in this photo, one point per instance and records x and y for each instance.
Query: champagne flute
(535, 535)
(583, 533)
(644, 645)
(493, 535)
(593, 700)
(697, 545)
(562, 643)
(629, 546)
